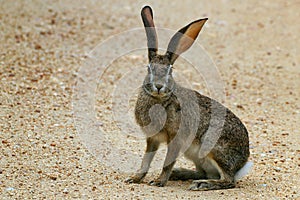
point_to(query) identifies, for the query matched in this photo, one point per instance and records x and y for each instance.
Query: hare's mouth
(162, 93)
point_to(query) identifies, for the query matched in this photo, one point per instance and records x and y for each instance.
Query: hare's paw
(203, 185)
(157, 183)
(133, 179)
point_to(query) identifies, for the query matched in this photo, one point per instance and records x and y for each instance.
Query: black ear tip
(147, 7)
(199, 20)
(203, 19)
(144, 10)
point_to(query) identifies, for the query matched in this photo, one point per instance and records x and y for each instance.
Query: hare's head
(159, 82)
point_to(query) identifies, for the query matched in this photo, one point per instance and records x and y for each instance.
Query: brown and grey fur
(168, 113)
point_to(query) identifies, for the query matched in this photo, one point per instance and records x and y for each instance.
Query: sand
(45, 44)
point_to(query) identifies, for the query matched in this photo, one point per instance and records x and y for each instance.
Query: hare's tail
(243, 171)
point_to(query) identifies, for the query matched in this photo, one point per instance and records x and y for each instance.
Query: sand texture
(44, 45)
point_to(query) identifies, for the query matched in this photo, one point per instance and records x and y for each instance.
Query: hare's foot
(186, 174)
(211, 184)
(158, 183)
(137, 178)
(163, 177)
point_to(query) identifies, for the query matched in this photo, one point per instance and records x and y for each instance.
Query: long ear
(184, 39)
(147, 17)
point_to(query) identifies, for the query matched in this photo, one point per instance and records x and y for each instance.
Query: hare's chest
(173, 120)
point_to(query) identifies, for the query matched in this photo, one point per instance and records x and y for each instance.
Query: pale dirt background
(43, 44)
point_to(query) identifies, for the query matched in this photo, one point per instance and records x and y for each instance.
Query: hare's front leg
(152, 146)
(172, 154)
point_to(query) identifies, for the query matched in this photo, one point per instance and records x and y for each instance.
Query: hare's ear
(183, 39)
(147, 17)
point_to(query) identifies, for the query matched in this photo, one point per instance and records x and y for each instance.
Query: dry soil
(255, 45)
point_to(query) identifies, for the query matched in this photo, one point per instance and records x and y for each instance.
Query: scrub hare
(170, 113)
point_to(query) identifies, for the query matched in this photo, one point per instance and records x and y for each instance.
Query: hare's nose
(158, 86)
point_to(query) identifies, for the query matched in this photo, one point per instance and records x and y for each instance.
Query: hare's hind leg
(212, 184)
(186, 174)
(225, 180)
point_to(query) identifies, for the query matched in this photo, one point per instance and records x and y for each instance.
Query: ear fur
(147, 17)
(184, 39)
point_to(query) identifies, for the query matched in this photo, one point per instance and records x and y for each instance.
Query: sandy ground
(43, 44)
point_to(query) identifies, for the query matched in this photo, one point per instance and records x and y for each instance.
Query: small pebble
(264, 185)
(10, 189)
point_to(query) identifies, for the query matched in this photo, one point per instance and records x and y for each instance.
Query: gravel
(43, 45)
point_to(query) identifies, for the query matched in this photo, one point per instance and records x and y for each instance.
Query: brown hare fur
(183, 118)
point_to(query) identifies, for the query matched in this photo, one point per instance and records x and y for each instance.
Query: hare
(202, 129)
